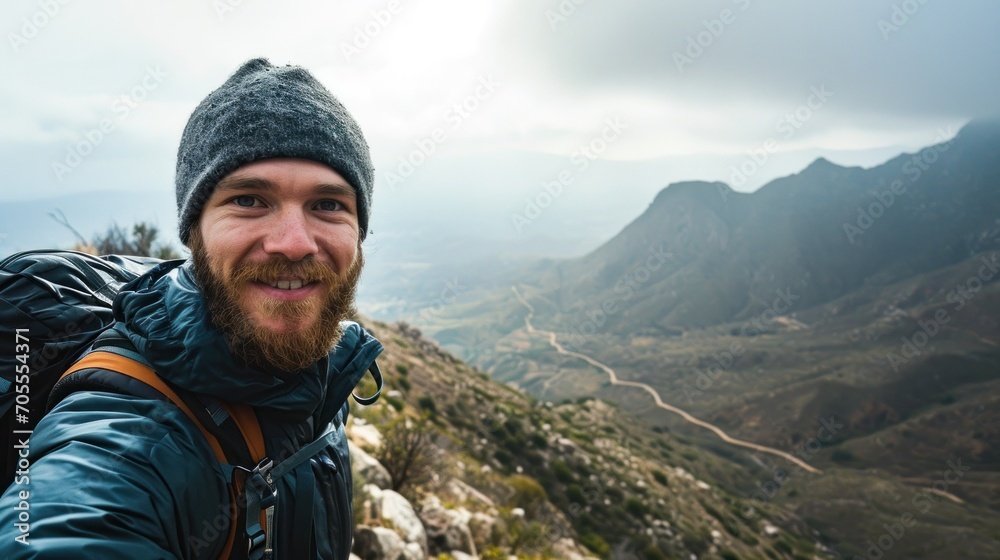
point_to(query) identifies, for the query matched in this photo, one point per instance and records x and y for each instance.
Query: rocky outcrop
(381, 543)
(447, 529)
(368, 468)
(393, 510)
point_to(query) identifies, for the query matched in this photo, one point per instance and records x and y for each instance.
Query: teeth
(288, 284)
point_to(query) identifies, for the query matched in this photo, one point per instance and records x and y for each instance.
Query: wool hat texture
(264, 111)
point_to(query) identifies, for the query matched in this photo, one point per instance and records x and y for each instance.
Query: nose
(290, 235)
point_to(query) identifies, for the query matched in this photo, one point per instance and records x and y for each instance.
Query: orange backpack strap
(242, 415)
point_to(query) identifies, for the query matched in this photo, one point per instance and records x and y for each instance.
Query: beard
(263, 348)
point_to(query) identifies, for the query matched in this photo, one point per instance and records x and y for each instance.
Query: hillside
(579, 472)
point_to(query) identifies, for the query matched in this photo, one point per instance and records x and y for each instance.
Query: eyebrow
(258, 184)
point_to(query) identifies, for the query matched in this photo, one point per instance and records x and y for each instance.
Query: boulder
(481, 527)
(378, 543)
(460, 492)
(394, 510)
(365, 435)
(447, 529)
(569, 549)
(368, 468)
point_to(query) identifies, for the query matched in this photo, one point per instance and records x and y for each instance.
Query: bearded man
(274, 184)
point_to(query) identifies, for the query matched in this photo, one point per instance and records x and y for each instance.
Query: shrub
(408, 453)
(596, 544)
(562, 472)
(575, 494)
(528, 494)
(427, 403)
(636, 508)
(505, 458)
(142, 242)
(395, 403)
(660, 477)
(842, 456)
(653, 552)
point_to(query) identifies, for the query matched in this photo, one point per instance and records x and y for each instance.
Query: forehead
(286, 174)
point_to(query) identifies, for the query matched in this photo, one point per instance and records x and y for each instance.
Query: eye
(329, 205)
(246, 201)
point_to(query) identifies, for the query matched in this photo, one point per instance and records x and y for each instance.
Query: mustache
(270, 271)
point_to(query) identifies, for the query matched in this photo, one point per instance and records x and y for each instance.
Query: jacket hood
(164, 314)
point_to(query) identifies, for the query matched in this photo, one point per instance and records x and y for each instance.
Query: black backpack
(53, 305)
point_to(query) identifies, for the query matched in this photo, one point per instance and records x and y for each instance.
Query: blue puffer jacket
(118, 476)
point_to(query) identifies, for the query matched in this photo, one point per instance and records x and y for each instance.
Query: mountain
(865, 299)
(702, 255)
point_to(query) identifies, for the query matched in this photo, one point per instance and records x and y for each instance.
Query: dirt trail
(656, 396)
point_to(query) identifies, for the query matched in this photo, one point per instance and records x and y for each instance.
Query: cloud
(754, 59)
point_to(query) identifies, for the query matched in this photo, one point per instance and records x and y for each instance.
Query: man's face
(276, 251)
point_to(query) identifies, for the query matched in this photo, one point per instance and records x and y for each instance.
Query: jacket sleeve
(115, 476)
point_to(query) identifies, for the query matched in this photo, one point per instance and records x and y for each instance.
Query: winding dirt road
(656, 396)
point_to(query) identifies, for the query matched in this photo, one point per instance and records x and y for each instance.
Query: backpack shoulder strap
(140, 372)
(242, 415)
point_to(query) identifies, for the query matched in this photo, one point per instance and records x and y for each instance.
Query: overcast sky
(691, 85)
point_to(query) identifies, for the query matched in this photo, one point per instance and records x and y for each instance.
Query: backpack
(55, 310)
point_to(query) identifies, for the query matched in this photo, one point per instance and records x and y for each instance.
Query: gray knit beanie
(264, 111)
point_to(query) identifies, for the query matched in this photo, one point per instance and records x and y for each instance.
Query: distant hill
(702, 255)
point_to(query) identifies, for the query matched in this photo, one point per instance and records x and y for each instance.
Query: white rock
(517, 512)
(366, 436)
(459, 555)
(447, 529)
(566, 445)
(378, 542)
(702, 485)
(460, 491)
(567, 548)
(368, 468)
(412, 551)
(394, 508)
(770, 530)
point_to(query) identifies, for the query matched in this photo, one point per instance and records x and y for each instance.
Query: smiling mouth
(287, 284)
